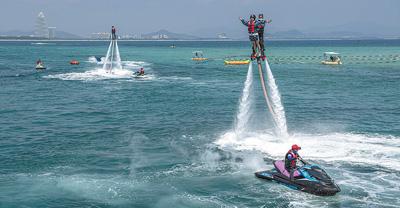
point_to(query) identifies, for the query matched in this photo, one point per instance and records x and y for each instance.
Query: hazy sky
(204, 17)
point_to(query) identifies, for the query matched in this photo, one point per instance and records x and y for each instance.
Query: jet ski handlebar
(303, 161)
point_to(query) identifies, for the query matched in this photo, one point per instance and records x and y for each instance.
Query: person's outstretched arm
(244, 21)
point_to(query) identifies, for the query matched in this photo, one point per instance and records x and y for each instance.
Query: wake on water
(113, 68)
(365, 149)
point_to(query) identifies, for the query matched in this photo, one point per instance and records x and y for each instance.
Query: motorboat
(332, 58)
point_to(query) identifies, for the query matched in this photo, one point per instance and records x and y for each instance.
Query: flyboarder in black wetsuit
(261, 25)
(113, 30)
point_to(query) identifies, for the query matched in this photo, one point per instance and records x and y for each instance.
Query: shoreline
(206, 40)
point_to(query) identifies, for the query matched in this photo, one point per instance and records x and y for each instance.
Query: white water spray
(113, 60)
(279, 111)
(243, 115)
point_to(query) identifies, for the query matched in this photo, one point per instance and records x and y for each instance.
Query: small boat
(237, 62)
(332, 58)
(74, 62)
(198, 56)
(40, 66)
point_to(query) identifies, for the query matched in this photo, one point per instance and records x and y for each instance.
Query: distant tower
(41, 27)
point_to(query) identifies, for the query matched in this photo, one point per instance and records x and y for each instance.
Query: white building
(41, 29)
(160, 37)
(222, 36)
(52, 32)
(101, 35)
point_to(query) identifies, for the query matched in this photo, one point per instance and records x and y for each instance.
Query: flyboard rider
(252, 28)
(113, 31)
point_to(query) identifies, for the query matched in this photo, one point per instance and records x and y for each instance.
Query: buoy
(74, 62)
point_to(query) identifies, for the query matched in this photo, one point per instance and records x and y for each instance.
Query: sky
(202, 17)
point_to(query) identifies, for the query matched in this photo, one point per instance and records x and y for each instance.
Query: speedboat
(309, 178)
(40, 66)
(332, 58)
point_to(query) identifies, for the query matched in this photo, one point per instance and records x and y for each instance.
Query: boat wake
(96, 74)
(377, 150)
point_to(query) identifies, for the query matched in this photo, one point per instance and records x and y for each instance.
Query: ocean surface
(77, 136)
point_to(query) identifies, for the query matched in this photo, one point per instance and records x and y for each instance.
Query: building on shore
(41, 29)
(222, 36)
(52, 32)
(100, 36)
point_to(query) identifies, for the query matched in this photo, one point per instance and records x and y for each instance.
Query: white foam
(113, 59)
(96, 74)
(279, 114)
(245, 104)
(357, 148)
(40, 43)
(134, 64)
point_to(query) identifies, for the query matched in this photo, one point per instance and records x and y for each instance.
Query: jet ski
(40, 66)
(139, 75)
(309, 178)
(98, 59)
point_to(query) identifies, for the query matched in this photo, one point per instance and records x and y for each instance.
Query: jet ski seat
(280, 166)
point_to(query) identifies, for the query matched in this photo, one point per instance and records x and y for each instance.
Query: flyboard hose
(260, 70)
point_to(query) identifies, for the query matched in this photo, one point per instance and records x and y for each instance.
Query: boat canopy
(331, 54)
(198, 53)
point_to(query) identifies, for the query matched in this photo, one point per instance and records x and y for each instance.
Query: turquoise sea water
(72, 136)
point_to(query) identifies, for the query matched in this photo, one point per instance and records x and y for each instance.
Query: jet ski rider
(140, 72)
(291, 158)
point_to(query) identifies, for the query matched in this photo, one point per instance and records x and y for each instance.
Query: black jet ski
(40, 66)
(309, 178)
(98, 58)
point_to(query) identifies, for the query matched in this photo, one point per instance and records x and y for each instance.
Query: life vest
(261, 27)
(113, 30)
(251, 26)
(290, 163)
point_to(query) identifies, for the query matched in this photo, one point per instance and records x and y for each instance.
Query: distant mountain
(167, 35)
(59, 34)
(66, 35)
(16, 33)
(355, 29)
(288, 34)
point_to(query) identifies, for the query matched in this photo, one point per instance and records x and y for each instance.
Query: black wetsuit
(261, 26)
(113, 33)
